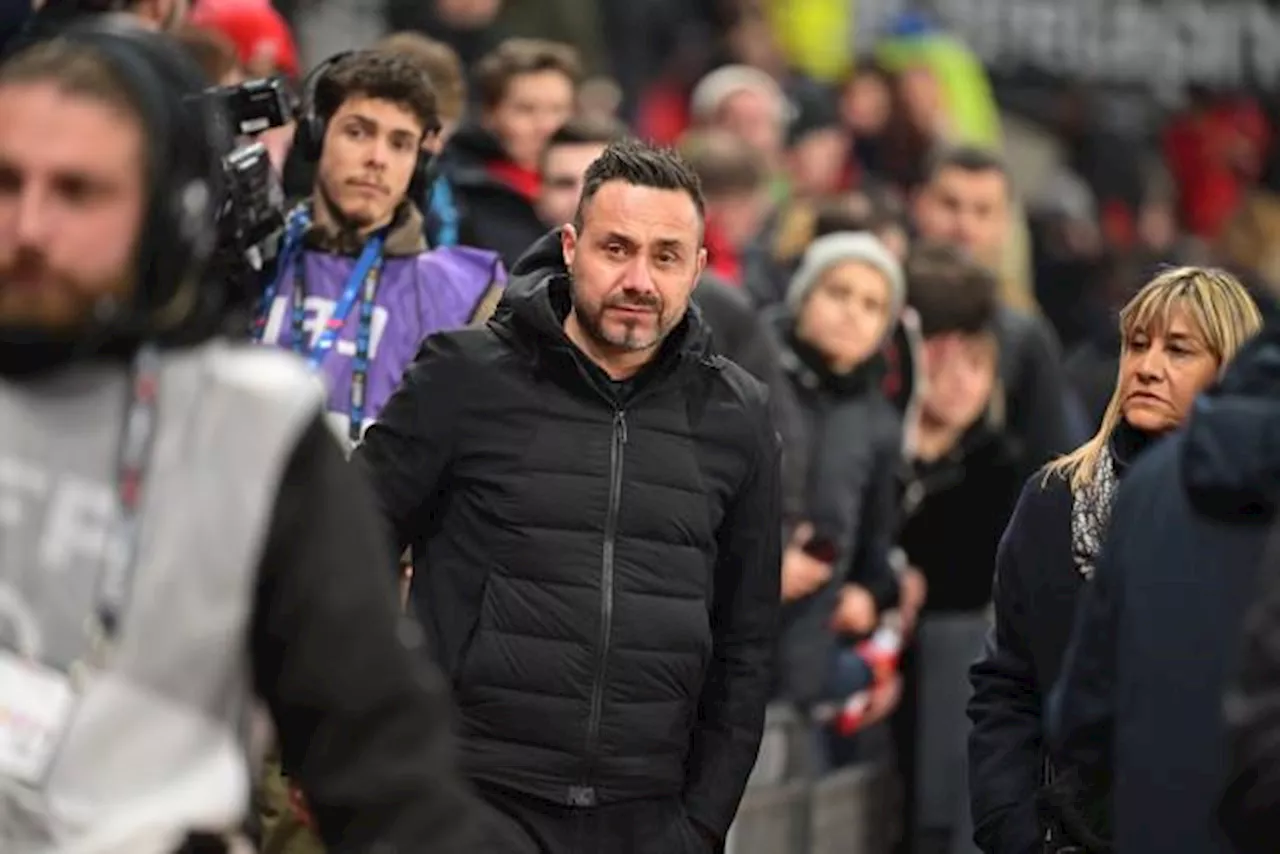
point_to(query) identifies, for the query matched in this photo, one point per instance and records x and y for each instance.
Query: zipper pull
(620, 423)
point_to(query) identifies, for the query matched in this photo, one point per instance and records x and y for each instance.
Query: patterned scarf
(1091, 513)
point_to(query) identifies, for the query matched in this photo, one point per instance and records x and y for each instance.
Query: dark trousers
(521, 824)
(905, 725)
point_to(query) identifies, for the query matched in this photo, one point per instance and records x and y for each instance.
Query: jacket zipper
(586, 795)
(1046, 780)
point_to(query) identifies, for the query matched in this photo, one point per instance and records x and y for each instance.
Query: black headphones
(312, 124)
(187, 137)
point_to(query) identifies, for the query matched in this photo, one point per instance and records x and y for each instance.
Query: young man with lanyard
(355, 288)
(180, 535)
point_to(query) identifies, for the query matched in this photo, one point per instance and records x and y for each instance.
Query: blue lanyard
(362, 284)
(299, 220)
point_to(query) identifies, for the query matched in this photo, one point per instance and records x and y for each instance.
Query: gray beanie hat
(829, 250)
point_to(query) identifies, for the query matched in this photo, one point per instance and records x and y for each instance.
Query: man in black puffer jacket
(591, 495)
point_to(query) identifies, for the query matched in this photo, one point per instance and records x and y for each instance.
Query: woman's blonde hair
(1216, 305)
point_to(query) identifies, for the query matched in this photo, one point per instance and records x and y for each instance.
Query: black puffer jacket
(597, 566)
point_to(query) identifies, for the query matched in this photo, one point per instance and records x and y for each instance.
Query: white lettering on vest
(318, 312)
(78, 525)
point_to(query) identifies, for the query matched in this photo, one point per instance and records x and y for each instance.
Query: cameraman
(355, 287)
(179, 531)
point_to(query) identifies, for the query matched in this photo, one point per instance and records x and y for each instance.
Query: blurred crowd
(984, 339)
(928, 282)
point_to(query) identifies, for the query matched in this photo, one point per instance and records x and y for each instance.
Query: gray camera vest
(157, 740)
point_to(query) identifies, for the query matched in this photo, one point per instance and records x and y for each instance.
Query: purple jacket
(420, 293)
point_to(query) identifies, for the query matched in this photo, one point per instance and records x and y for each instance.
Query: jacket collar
(537, 300)
(405, 238)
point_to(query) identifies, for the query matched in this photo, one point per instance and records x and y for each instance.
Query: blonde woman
(1178, 334)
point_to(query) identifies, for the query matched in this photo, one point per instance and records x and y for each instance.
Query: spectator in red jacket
(261, 35)
(1215, 151)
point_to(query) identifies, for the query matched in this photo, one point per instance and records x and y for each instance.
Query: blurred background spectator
(1029, 164)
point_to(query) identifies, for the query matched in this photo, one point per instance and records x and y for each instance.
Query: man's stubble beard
(592, 323)
(81, 306)
(341, 219)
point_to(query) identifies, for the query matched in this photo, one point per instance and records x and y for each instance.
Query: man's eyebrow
(617, 237)
(369, 123)
(362, 120)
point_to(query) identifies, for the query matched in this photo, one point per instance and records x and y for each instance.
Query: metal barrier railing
(791, 808)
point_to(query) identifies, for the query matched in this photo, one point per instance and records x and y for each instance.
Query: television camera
(252, 211)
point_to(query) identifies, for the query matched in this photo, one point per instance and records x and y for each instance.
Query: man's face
(960, 375)
(370, 148)
(563, 168)
(969, 209)
(818, 162)
(534, 107)
(72, 200)
(757, 117)
(634, 265)
(739, 216)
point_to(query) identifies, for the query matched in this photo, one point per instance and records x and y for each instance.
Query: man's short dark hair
(725, 163)
(640, 165)
(846, 212)
(872, 209)
(589, 130)
(381, 75)
(515, 57)
(950, 292)
(585, 130)
(967, 158)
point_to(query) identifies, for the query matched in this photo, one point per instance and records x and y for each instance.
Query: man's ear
(702, 262)
(568, 243)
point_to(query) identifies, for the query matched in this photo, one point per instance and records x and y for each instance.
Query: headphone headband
(316, 77)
